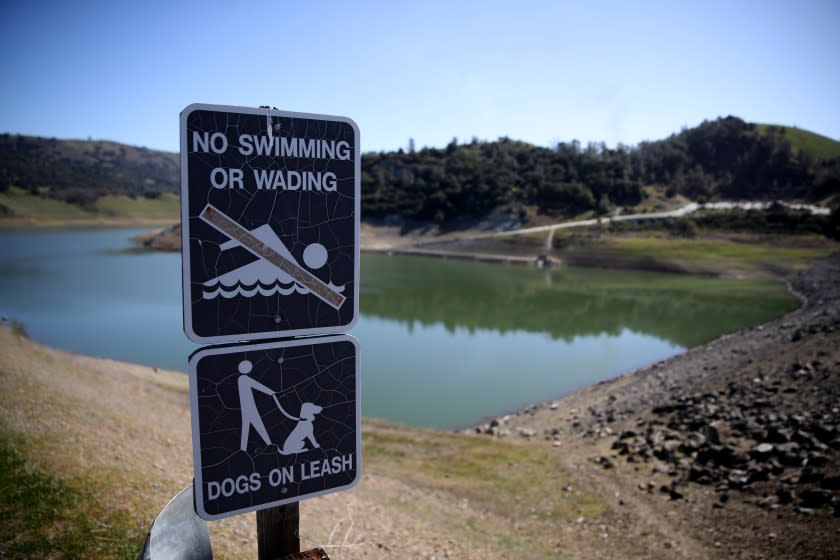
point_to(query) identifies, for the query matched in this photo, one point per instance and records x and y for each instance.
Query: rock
(824, 433)
(815, 498)
(672, 491)
(758, 472)
(738, 478)
(671, 445)
(717, 455)
(762, 451)
(605, 462)
(621, 446)
(809, 475)
(700, 475)
(767, 502)
(816, 459)
(777, 435)
(803, 438)
(830, 483)
(712, 434)
(788, 454)
(784, 494)
(527, 432)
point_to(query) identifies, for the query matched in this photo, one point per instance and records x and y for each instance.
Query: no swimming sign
(270, 223)
(274, 423)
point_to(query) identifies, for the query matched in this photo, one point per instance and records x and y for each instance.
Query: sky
(541, 72)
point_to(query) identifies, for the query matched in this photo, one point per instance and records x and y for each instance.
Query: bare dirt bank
(423, 494)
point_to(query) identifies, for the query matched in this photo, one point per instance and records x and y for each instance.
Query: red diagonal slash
(249, 241)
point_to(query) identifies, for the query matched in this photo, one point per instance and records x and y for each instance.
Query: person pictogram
(296, 440)
(248, 407)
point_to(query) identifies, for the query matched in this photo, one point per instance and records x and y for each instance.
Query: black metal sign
(273, 423)
(270, 223)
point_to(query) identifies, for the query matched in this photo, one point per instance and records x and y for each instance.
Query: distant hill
(726, 158)
(730, 158)
(79, 171)
(817, 145)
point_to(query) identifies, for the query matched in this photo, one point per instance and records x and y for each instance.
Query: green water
(564, 303)
(444, 343)
(478, 333)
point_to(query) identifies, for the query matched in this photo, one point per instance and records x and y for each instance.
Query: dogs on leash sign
(274, 423)
(270, 213)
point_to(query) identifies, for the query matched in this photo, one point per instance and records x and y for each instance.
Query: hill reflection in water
(446, 343)
(564, 302)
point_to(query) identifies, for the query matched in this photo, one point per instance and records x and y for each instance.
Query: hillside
(504, 183)
(78, 171)
(22, 208)
(816, 145)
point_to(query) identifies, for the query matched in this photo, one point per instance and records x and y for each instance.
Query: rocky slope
(741, 435)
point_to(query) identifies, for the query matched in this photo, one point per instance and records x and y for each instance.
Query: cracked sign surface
(270, 223)
(273, 423)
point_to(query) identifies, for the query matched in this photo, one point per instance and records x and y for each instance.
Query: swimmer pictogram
(265, 244)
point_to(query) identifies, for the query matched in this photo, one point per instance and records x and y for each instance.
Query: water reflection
(563, 303)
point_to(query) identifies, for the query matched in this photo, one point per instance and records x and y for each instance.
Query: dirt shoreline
(562, 478)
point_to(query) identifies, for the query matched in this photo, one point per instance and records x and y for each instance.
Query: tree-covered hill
(473, 179)
(725, 159)
(729, 158)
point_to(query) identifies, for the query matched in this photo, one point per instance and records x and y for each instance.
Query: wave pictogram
(259, 276)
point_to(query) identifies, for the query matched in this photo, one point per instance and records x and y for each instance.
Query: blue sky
(535, 71)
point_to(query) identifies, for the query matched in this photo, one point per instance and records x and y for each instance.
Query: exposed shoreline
(582, 497)
(584, 249)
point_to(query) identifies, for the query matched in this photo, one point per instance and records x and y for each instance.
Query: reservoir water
(444, 343)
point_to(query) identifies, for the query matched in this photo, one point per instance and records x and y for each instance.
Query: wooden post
(278, 531)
